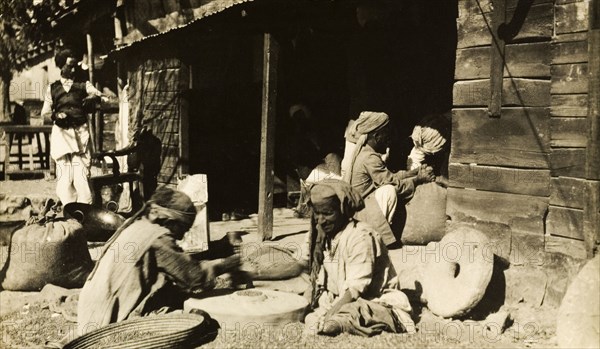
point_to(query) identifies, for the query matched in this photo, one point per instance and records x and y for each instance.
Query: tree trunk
(4, 100)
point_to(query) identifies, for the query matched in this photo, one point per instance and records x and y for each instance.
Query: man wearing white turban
(431, 140)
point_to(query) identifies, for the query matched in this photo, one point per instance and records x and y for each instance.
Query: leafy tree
(23, 25)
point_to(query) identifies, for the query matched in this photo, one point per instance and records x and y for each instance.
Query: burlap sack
(425, 215)
(55, 253)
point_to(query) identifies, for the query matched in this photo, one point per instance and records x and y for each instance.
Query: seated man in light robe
(142, 270)
(353, 284)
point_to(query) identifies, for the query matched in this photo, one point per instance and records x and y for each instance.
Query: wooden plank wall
(499, 165)
(523, 168)
(157, 103)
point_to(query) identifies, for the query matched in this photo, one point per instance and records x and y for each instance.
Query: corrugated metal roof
(174, 20)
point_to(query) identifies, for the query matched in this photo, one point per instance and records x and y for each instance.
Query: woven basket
(159, 331)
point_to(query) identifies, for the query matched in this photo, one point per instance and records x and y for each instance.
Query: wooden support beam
(497, 59)
(185, 77)
(118, 28)
(94, 123)
(591, 211)
(90, 53)
(267, 139)
(591, 217)
(593, 146)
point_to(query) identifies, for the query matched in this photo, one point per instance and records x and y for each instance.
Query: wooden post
(593, 145)
(118, 30)
(591, 211)
(92, 124)
(90, 52)
(184, 120)
(267, 138)
(497, 59)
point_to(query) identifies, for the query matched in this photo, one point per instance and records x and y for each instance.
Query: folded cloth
(364, 318)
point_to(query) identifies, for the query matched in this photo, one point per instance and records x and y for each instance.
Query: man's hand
(228, 264)
(442, 181)
(425, 174)
(62, 120)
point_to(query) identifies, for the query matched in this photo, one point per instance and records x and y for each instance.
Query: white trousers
(387, 199)
(72, 178)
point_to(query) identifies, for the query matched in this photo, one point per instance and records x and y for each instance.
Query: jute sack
(55, 252)
(425, 215)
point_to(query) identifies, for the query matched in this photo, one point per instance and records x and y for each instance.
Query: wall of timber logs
(526, 168)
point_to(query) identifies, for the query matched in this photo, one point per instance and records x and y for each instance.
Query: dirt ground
(37, 322)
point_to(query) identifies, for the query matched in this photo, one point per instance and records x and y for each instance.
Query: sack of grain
(55, 252)
(425, 215)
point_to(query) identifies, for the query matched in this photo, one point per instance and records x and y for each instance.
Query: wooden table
(17, 133)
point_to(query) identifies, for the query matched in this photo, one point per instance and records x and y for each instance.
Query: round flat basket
(456, 277)
(158, 331)
(252, 306)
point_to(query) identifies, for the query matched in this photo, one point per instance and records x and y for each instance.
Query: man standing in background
(65, 102)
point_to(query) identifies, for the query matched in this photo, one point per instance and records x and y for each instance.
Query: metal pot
(98, 223)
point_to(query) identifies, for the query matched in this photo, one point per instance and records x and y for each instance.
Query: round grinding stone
(456, 281)
(257, 307)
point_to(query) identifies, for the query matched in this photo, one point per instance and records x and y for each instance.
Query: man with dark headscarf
(142, 270)
(351, 273)
(365, 169)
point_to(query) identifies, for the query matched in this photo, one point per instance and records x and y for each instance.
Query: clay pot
(99, 224)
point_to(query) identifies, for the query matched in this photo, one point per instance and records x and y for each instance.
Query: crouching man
(142, 271)
(384, 192)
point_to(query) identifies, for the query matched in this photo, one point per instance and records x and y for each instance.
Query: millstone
(457, 275)
(250, 307)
